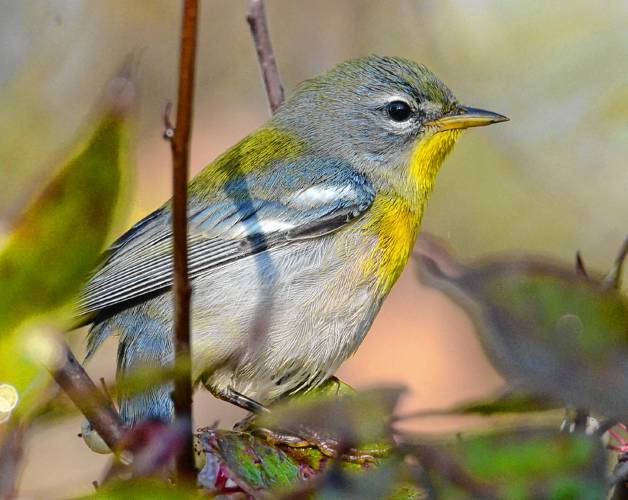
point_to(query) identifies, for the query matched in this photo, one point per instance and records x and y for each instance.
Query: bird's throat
(396, 216)
(425, 162)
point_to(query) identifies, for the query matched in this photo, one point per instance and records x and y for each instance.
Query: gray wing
(286, 203)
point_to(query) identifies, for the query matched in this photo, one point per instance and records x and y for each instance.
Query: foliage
(549, 331)
(54, 245)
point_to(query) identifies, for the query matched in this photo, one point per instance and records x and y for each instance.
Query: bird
(296, 235)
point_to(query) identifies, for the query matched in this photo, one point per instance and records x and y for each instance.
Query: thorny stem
(261, 37)
(180, 146)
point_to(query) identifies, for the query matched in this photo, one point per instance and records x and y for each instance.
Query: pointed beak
(465, 117)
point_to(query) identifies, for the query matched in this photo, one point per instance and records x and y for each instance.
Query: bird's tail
(144, 351)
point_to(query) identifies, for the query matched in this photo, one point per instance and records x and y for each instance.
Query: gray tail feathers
(141, 353)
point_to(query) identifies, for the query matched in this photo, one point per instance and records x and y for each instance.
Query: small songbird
(296, 236)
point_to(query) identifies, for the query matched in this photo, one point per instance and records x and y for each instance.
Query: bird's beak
(465, 117)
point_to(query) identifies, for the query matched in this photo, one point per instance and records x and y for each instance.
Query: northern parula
(296, 235)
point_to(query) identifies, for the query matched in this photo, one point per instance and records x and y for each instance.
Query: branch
(180, 146)
(99, 412)
(261, 37)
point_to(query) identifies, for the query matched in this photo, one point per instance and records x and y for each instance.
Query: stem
(261, 37)
(100, 413)
(180, 146)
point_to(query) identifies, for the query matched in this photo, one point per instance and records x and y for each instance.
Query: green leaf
(251, 463)
(256, 466)
(528, 464)
(548, 331)
(54, 245)
(143, 489)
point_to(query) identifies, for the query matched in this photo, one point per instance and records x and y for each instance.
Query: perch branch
(100, 413)
(180, 146)
(256, 18)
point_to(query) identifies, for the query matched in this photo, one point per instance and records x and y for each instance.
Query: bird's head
(384, 114)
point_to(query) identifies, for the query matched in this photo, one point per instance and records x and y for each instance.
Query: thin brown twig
(256, 18)
(100, 413)
(180, 146)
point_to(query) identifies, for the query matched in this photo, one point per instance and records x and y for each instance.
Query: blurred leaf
(24, 354)
(152, 446)
(55, 244)
(509, 402)
(386, 481)
(547, 331)
(143, 489)
(528, 464)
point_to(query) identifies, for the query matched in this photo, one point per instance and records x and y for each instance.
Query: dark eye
(399, 111)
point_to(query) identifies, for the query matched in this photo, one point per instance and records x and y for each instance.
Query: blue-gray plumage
(296, 236)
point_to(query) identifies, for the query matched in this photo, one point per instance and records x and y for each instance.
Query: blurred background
(553, 180)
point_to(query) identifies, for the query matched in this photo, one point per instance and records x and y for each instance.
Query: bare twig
(180, 145)
(261, 37)
(100, 413)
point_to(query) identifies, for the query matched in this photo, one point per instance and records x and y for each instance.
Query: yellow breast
(395, 216)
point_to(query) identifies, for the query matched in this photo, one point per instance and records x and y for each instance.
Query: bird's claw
(327, 446)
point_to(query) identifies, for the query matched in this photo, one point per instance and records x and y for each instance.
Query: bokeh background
(551, 181)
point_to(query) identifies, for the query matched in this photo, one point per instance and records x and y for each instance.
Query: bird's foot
(307, 436)
(328, 446)
(232, 396)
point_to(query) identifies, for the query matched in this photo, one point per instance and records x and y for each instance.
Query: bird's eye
(399, 111)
